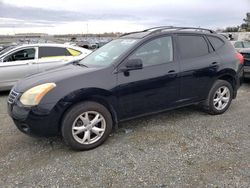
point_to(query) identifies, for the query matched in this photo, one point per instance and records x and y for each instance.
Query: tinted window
(192, 46)
(52, 52)
(216, 42)
(26, 54)
(238, 45)
(155, 52)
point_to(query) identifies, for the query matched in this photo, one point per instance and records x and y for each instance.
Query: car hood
(55, 75)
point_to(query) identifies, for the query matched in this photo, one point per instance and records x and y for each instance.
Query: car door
(17, 65)
(198, 67)
(155, 86)
(51, 57)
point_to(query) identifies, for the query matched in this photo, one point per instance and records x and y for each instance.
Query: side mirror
(132, 64)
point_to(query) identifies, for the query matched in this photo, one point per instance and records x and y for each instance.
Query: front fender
(101, 96)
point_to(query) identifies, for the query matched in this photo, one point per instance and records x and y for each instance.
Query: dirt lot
(181, 148)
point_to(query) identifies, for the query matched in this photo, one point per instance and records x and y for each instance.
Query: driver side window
(156, 51)
(21, 55)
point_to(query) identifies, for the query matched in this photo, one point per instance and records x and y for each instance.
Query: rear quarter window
(191, 46)
(216, 42)
(74, 52)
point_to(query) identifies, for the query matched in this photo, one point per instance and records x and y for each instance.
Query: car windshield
(107, 54)
(6, 50)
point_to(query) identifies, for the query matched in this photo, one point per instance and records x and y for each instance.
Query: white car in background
(17, 62)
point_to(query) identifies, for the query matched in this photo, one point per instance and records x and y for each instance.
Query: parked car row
(2, 47)
(137, 74)
(88, 45)
(17, 62)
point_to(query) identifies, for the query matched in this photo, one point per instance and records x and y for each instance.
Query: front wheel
(220, 97)
(86, 125)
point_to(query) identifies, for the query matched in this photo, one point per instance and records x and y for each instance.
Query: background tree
(232, 29)
(246, 25)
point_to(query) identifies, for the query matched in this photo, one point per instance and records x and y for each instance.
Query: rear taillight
(240, 57)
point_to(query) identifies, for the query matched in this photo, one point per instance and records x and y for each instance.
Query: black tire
(73, 113)
(209, 105)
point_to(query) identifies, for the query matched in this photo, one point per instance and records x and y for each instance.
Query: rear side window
(191, 46)
(238, 45)
(53, 52)
(216, 42)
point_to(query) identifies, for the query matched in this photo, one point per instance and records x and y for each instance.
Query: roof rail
(160, 27)
(146, 30)
(131, 33)
(163, 28)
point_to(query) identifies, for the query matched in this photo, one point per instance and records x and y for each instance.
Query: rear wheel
(86, 126)
(220, 97)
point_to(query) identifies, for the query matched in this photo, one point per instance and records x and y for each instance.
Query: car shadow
(177, 113)
(4, 93)
(57, 143)
(246, 81)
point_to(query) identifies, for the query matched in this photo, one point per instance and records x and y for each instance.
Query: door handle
(213, 64)
(171, 71)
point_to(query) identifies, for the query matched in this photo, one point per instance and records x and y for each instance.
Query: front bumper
(41, 120)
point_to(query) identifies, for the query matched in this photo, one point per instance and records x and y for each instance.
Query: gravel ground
(180, 148)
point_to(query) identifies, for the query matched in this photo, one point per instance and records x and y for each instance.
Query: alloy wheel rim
(221, 98)
(88, 127)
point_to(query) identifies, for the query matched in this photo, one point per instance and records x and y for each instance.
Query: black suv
(137, 74)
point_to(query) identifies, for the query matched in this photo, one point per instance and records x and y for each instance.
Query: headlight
(34, 95)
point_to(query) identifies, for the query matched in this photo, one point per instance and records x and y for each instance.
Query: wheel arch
(101, 96)
(229, 76)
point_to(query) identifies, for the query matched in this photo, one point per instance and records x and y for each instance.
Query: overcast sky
(97, 16)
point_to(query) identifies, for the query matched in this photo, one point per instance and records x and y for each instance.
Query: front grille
(12, 97)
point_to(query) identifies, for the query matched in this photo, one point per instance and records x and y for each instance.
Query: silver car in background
(244, 48)
(17, 62)
(241, 45)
